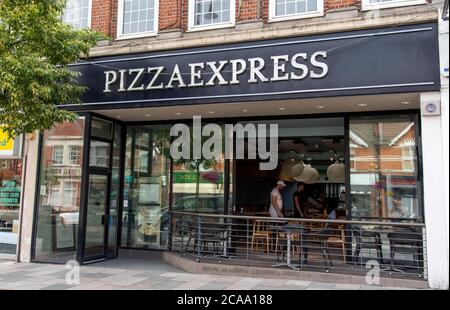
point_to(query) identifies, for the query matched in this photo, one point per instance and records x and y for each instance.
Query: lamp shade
(297, 170)
(315, 176)
(285, 173)
(306, 175)
(336, 173)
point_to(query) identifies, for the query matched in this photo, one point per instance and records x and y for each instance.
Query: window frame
(274, 18)
(58, 146)
(121, 36)
(191, 18)
(367, 6)
(79, 154)
(89, 23)
(66, 190)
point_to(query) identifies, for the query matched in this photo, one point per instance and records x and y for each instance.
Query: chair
(330, 235)
(317, 225)
(260, 233)
(338, 239)
(405, 242)
(212, 234)
(209, 237)
(369, 240)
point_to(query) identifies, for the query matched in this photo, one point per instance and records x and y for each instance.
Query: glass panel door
(95, 241)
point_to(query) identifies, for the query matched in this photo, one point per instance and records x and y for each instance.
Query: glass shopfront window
(198, 184)
(384, 177)
(10, 185)
(59, 192)
(145, 218)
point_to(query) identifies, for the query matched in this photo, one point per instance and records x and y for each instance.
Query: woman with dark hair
(299, 200)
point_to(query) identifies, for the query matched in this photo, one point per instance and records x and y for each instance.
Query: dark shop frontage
(347, 111)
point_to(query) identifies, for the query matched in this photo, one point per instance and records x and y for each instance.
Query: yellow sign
(6, 145)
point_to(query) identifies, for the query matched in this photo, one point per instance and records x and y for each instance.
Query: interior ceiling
(312, 145)
(384, 102)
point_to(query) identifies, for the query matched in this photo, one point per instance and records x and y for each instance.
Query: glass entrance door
(101, 201)
(96, 217)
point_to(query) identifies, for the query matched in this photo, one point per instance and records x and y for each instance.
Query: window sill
(210, 27)
(394, 4)
(136, 36)
(274, 19)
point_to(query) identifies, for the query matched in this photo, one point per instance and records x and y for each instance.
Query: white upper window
(293, 9)
(209, 14)
(137, 18)
(78, 13)
(58, 155)
(383, 4)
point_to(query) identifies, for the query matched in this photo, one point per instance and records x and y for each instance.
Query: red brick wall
(169, 14)
(248, 10)
(101, 15)
(104, 16)
(173, 14)
(184, 13)
(337, 4)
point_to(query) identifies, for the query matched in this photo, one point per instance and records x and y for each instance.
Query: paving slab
(125, 274)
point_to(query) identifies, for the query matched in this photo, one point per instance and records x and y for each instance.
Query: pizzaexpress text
(224, 72)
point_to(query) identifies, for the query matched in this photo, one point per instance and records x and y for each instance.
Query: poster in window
(65, 235)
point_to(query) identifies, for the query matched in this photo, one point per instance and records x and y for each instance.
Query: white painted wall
(29, 190)
(435, 191)
(445, 110)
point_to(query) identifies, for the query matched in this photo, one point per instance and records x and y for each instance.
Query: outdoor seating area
(341, 246)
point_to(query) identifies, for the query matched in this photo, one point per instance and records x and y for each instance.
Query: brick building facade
(357, 102)
(173, 14)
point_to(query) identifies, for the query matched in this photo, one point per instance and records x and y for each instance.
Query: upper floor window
(293, 9)
(384, 4)
(58, 155)
(137, 18)
(75, 154)
(78, 13)
(208, 14)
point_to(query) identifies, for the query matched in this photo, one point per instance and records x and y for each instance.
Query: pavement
(144, 274)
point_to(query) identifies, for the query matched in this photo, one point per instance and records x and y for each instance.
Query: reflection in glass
(383, 168)
(146, 187)
(10, 184)
(198, 184)
(99, 154)
(95, 219)
(293, 7)
(101, 128)
(59, 193)
(211, 12)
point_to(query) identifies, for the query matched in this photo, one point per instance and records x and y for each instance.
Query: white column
(29, 191)
(435, 189)
(444, 57)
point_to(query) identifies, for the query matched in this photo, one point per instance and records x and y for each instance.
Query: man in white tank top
(276, 201)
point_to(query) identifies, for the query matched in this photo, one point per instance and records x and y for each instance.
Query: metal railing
(340, 246)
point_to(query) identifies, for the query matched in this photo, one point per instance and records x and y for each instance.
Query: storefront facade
(353, 95)
(11, 170)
